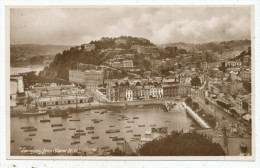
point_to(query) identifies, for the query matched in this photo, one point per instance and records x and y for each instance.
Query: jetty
(196, 117)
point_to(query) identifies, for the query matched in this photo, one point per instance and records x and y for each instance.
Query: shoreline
(85, 107)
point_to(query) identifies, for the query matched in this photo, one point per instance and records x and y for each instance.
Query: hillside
(62, 62)
(28, 54)
(214, 46)
(108, 48)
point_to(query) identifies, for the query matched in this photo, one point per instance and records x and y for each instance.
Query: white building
(128, 63)
(233, 63)
(129, 95)
(156, 92)
(16, 84)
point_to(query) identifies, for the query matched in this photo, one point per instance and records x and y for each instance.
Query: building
(243, 103)
(89, 47)
(76, 76)
(120, 41)
(204, 66)
(176, 90)
(116, 64)
(89, 78)
(156, 92)
(145, 49)
(147, 74)
(246, 59)
(61, 100)
(53, 90)
(246, 75)
(17, 85)
(119, 93)
(129, 95)
(127, 64)
(233, 64)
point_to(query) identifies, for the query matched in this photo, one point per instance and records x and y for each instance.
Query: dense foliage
(195, 82)
(182, 144)
(30, 79)
(62, 62)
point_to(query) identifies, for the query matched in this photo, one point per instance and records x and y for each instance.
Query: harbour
(96, 134)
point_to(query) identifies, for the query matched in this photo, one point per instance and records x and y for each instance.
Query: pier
(197, 118)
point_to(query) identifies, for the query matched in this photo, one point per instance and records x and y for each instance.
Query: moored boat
(90, 132)
(118, 139)
(90, 142)
(74, 142)
(74, 120)
(127, 131)
(32, 134)
(56, 125)
(46, 140)
(130, 121)
(28, 127)
(79, 130)
(89, 128)
(44, 120)
(28, 139)
(141, 125)
(59, 129)
(95, 137)
(112, 126)
(59, 115)
(135, 117)
(75, 136)
(112, 136)
(112, 130)
(33, 113)
(31, 129)
(26, 147)
(72, 128)
(80, 133)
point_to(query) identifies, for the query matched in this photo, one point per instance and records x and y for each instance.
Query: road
(217, 112)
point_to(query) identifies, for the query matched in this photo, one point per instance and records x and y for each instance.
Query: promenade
(201, 122)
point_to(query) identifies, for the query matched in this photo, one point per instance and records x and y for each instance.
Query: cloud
(160, 25)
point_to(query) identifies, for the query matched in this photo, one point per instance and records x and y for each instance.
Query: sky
(160, 25)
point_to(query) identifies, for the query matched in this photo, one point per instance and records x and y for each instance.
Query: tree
(188, 101)
(105, 85)
(195, 82)
(195, 106)
(182, 144)
(116, 83)
(127, 84)
(138, 84)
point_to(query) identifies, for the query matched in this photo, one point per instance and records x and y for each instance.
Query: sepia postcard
(130, 82)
